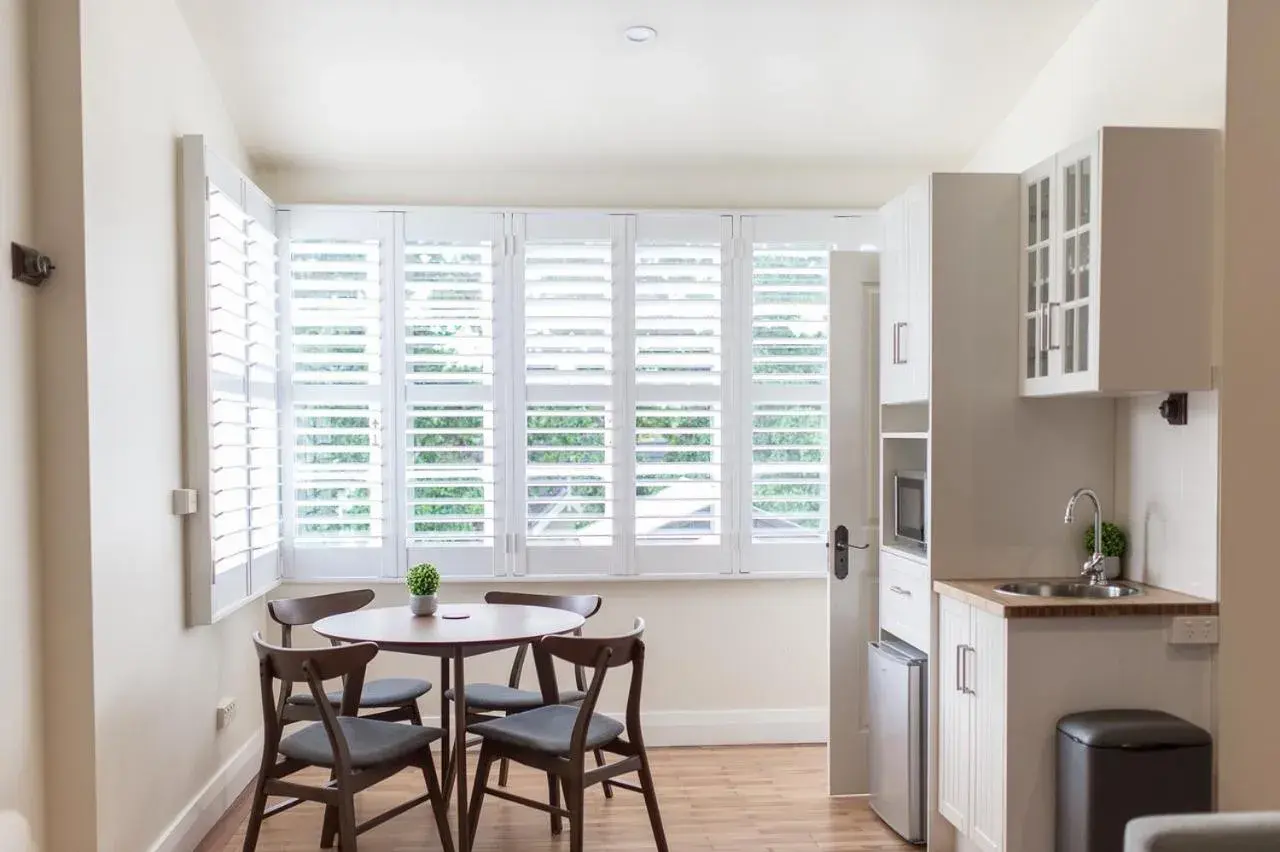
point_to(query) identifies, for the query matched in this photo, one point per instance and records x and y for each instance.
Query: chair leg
(415, 714)
(608, 788)
(346, 821)
(478, 791)
(553, 799)
(439, 805)
(651, 802)
(503, 767)
(329, 829)
(577, 818)
(256, 811)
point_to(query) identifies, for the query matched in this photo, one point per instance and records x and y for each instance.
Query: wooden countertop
(1152, 601)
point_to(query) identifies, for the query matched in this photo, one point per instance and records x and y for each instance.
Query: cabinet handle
(959, 668)
(1049, 326)
(968, 649)
(1041, 315)
(898, 348)
(898, 590)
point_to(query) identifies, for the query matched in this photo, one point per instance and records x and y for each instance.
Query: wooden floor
(752, 799)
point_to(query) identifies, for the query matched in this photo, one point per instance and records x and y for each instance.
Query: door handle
(1048, 326)
(959, 668)
(898, 590)
(969, 690)
(840, 543)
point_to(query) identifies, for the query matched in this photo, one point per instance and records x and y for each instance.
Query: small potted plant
(423, 581)
(1114, 545)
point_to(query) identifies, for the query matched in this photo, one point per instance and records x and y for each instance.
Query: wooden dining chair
(555, 738)
(485, 700)
(391, 699)
(358, 751)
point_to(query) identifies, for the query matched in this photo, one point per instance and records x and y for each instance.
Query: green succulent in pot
(423, 582)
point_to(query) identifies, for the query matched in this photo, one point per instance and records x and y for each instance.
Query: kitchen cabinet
(1116, 264)
(904, 297)
(971, 722)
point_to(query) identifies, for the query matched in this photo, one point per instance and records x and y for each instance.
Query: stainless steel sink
(1066, 589)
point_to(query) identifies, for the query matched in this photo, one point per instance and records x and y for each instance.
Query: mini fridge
(897, 690)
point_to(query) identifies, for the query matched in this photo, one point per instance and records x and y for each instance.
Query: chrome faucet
(1095, 567)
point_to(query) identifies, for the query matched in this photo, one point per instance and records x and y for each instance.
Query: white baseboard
(204, 811)
(727, 727)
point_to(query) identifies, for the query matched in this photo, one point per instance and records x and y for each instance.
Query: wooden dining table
(453, 633)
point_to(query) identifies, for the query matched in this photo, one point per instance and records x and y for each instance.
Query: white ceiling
(509, 84)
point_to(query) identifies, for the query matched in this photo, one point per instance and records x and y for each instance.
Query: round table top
(487, 624)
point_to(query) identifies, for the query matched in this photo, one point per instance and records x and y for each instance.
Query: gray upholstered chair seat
(493, 696)
(369, 741)
(549, 729)
(1231, 832)
(387, 692)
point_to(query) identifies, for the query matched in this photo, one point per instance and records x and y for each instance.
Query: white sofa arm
(1233, 832)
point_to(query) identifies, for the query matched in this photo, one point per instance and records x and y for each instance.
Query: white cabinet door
(986, 682)
(1073, 311)
(895, 372)
(955, 731)
(1038, 363)
(914, 338)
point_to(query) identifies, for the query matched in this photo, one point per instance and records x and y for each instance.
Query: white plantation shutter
(571, 464)
(334, 267)
(680, 286)
(231, 344)
(785, 392)
(452, 460)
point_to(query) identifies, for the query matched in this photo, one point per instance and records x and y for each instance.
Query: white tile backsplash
(1169, 497)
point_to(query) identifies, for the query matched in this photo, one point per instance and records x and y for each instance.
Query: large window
(508, 393)
(556, 394)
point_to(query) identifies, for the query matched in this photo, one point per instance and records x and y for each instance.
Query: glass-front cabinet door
(1074, 332)
(1038, 201)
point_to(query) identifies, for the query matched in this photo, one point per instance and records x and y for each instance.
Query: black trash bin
(1115, 765)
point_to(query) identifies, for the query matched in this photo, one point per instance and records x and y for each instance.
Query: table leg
(460, 750)
(446, 763)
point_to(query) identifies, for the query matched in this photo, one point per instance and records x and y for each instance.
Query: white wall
(1157, 63)
(726, 660)
(20, 751)
(774, 187)
(155, 683)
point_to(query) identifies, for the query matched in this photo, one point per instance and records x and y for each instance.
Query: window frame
(624, 560)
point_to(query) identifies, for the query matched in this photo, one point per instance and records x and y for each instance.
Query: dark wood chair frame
(585, 606)
(601, 654)
(313, 666)
(299, 612)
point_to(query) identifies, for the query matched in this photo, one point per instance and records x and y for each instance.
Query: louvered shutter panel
(568, 462)
(335, 270)
(680, 275)
(231, 345)
(786, 392)
(452, 419)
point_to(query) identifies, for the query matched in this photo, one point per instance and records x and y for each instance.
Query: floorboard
(753, 799)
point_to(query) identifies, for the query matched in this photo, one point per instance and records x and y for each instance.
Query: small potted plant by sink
(1114, 545)
(423, 581)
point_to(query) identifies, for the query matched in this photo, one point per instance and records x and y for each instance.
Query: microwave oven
(908, 506)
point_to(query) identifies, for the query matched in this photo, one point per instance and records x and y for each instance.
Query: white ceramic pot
(424, 604)
(1111, 565)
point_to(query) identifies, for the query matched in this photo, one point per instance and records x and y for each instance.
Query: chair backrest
(601, 653)
(295, 612)
(312, 666)
(584, 605)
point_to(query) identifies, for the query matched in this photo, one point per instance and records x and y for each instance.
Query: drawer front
(904, 599)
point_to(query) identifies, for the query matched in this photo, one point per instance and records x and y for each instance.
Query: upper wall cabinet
(1117, 264)
(904, 297)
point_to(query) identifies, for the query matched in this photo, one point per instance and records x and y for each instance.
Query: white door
(854, 431)
(913, 343)
(955, 712)
(895, 306)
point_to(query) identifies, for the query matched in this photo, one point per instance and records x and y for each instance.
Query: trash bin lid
(1135, 729)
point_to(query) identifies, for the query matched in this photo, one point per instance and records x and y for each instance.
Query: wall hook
(30, 266)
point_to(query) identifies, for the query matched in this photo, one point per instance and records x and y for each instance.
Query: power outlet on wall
(226, 712)
(1194, 630)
